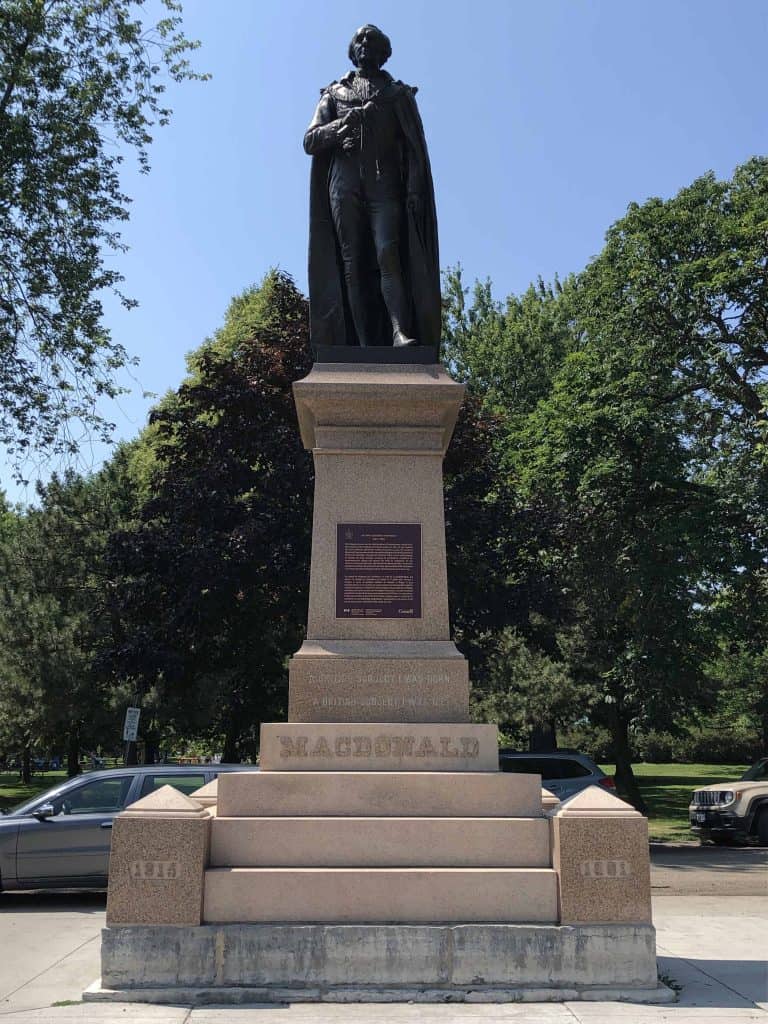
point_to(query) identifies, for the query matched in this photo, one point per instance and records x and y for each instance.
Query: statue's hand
(349, 137)
(353, 117)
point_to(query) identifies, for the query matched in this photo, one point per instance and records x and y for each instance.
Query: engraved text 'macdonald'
(395, 747)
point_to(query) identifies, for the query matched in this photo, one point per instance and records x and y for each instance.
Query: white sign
(131, 724)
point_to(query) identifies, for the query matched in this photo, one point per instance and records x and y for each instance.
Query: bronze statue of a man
(374, 272)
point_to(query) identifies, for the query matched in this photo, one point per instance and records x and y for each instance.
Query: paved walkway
(715, 947)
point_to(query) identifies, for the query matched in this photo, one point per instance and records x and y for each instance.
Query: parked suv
(735, 811)
(563, 772)
(61, 838)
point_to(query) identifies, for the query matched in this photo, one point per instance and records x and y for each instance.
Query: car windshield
(54, 796)
(42, 798)
(757, 772)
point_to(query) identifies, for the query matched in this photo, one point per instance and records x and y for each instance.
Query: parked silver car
(61, 838)
(563, 772)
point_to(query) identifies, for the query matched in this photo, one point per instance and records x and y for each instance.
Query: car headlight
(727, 796)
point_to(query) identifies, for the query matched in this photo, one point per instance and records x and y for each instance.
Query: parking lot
(711, 914)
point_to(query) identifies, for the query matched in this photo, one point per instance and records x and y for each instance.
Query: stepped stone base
(390, 746)
(378, 794)
(385, 895)
(378, 963)
(380, 842)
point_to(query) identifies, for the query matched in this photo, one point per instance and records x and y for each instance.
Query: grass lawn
(667, 789)
(13, 791)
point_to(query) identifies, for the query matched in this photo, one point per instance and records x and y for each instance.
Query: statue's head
(369, 47)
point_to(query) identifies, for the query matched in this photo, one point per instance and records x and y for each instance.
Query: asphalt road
(681, 868)
(710, 910)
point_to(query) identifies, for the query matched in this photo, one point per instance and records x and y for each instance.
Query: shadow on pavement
(47, 902)
(710, 858)
(725, 984)
(747, 977)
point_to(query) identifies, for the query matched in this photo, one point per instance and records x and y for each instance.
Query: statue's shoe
(400, 340)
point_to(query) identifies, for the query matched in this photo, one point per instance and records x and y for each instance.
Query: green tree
(81, 83)
(213, 579)
(639, 438)
(738, 620)
(672, 316)
(506, 596)
(507, 353)
(634, 540)
(56, 616)
(527, 690)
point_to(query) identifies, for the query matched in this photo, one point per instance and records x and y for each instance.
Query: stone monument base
(437, 963)
(350, 885)
(380, 855)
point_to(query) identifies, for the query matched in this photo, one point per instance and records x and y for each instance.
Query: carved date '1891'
(605, 869)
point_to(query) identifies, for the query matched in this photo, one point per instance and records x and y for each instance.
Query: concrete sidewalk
(715, 948)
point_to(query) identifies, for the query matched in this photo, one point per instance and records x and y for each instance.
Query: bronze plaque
(378, 571)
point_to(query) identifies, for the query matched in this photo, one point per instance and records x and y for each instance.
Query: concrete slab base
(242, 996)
(378, 963)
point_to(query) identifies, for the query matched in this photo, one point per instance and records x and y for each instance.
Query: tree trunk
(131, 754)
(73, 755)
(543, 738)
(26, 765)
(626, 782)
(230, 754)
(16, 69)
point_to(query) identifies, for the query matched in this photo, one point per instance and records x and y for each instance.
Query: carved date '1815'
(155, 870)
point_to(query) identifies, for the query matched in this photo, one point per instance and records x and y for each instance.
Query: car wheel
(761, 827)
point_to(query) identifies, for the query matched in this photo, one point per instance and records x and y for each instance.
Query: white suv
(733, 811)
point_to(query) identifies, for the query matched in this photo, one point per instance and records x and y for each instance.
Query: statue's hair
(386, 44)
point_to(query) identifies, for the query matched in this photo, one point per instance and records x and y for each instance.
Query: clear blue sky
(544, 119)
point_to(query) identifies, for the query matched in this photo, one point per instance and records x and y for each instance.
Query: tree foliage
(81, 84)
(634, 425)
(605, 496)
(56, 614)
(214, 575)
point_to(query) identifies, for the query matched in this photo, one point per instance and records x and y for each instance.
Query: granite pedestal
(380, 854)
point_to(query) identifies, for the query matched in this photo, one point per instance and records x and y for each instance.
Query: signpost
(131, 724)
